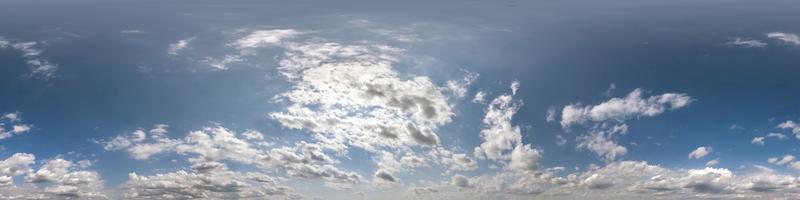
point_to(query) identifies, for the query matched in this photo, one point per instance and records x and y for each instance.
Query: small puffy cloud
(210, 180)
(758, 141)
(621, 109)
(551, 114)
(745, 42)
(792, 126)
(699, 152)
(525, 159)
(11, 124)
(787, 38)
(178, 46)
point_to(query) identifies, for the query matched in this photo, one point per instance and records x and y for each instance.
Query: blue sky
(399, 100)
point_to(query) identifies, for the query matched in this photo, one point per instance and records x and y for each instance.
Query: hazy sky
(399, 99)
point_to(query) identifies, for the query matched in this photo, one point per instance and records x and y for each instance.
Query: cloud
(786, 159)
(700, 152)
(621, 109)
(261, 38)
(217, 143)
(480, 97)
(551, 114)
(711, 163)
(791, 125)
(11, 124)
(210, 180)
(787, 38)
(758, 140)
(132, 31)
(601, 140)
(745, 42)
(32, 52)
(56, 179)
(779, 136)
(178, 46)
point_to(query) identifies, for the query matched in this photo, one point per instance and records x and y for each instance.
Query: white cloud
(787, 38)
(40, 67)
(700, 152)
(621, 109)
(261, 38)
(132, 31)
(786, 159)
(551, 114)
(745, 42)
(217, 143)
(758, 140)
(209, 180)
(711, 163)
(459, 87)
(498, 134)
(178, 46)
(480, 97)
(779, 136)
(601, 140)
(11, 124)
(56, 179)
(791, 125)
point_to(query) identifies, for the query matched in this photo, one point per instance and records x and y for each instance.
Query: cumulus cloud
(699, 152)
(758, 141)
(792, 126)
(779, 136)
(11, 124)
(217, 143)
(56, 179)
(621, 109)
(209, 180)
(178, 46)
(711, 163)
(787, 38)
(745, 42)
(786, 159)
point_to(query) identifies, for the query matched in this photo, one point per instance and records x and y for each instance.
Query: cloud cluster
(57, 178)
(607, 120)
(32, 52)
(11, 124)
(636, 180)
(787, 38)
(214, 145)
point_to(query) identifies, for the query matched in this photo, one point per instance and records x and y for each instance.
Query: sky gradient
(254, 99)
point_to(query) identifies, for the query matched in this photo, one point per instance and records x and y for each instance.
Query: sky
(250, 99)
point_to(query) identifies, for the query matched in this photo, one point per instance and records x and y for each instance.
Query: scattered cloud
(758, 141)
(177, 47)
(32, 52)
(621, 109)
(787, 38)
(58, 178)
(746, 42)
(700, 152)
(11, 124)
